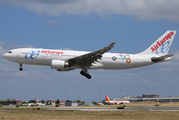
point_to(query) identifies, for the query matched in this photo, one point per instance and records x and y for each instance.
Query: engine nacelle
(59, 64)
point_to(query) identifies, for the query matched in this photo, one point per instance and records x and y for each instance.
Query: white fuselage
(108, 61)
(65, 60)
(117, 102)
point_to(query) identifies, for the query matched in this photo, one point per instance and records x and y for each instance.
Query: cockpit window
(10, 52)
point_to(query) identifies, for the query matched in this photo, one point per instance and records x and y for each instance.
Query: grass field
(44, 114)
(87, 115)
(153, 103)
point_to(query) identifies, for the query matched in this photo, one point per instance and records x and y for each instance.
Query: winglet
(109, 47)
(112, 44)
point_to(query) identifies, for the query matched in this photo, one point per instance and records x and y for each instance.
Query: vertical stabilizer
(162, 45)
(107, 98)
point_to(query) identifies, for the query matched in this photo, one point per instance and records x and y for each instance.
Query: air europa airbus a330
(65, 60)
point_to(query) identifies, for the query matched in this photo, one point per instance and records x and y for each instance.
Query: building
(144, 97)
(150, 96)
(51, 102)
(71, 104)
(62, 102)
(19, 102)
(11, 101)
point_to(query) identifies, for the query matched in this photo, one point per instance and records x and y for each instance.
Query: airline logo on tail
(107, 98)
(163, 43)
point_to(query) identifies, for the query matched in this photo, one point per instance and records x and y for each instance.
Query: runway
(154, 108)
(131, 108)
(97, 108)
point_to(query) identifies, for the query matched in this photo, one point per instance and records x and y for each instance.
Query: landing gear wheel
(85, 73)
(88, 76)
(21, 69)
(82, 73)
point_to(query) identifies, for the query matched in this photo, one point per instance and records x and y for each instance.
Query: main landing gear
(21, 69)
(85, 73)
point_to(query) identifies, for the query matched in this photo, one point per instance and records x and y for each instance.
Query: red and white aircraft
(115, 102)
(65, 60)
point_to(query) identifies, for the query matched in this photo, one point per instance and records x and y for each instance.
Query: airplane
(115, 102)
(66, 60)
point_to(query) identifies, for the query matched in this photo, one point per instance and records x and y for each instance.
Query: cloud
(176, 56)
(53, 1)
(4, 47)
(166, 69)
(53, 23)
(140, 9)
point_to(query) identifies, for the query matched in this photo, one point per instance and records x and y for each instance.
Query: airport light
(121, 93)
(64, 95)
(79, 98)
(99, 95)
(170, 91)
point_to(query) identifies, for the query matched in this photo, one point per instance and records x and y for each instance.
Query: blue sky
(87, 25)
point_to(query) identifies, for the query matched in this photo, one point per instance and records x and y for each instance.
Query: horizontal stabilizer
(157, 59)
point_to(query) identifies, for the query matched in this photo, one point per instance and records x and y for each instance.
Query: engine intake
(59, 64)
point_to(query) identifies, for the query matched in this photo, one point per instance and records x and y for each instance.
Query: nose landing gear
(21, 69)
(85, 73)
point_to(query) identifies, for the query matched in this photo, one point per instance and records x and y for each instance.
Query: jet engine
(59, 64)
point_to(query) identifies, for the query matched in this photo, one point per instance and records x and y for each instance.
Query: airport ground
(140, 110)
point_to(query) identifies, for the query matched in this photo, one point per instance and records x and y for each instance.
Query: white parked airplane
(109, 101)
(65, 60)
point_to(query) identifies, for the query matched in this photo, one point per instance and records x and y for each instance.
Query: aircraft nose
(5, 55)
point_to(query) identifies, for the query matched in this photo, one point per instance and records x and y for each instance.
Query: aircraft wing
(89, 58)
(157, 59)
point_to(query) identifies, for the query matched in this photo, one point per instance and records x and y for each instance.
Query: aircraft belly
(119, 64)
(127, 63)
(97, 65)
(37, 61)
(144, 61)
